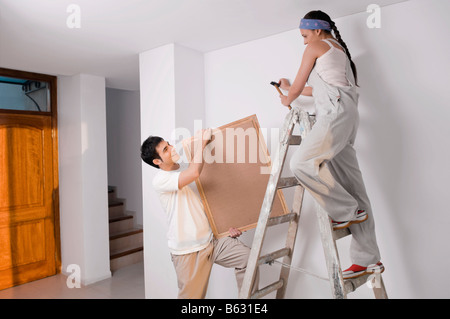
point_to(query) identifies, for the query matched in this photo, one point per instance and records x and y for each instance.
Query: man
(191, 242)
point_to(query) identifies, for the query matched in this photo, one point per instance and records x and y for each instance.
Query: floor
(125, 283)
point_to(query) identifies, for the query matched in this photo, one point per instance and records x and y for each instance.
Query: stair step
(116, 208)
(125, 240)
(115, 202)
(122, 253)
(120, 224)
(124, 258)
(125, 233)
(120, 218)
(111, 193)
(128, 239)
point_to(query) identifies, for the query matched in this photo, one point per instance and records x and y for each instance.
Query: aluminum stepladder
(339, 287)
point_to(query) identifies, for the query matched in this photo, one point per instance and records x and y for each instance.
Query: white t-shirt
(189, 229)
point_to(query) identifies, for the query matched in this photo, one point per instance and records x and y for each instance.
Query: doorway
(29, 200)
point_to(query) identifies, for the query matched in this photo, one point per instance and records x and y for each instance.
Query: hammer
(277, 86)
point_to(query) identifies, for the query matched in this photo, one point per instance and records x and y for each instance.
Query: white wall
(402, 143)
(124, 161)
(171, 86)
(402, 146)
(83, 176)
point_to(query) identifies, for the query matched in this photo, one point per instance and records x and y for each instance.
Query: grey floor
(125, 283)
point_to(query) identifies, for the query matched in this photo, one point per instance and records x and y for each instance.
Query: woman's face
(310, 35)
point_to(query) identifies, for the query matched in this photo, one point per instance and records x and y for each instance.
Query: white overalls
(326, 165)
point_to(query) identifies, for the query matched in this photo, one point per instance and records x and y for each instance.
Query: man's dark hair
(148, 150)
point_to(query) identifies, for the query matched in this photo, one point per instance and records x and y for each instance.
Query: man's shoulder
(167, 179)
(160, 175)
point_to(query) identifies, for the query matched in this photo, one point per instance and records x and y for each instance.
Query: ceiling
(35, 37)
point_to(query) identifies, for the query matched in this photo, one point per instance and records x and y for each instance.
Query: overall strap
(337, 42)
(326, 40)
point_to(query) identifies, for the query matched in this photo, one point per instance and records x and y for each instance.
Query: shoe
(357, 271)
(361, 216)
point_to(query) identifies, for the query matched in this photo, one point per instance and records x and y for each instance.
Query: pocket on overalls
(335, 98)
(336, 101)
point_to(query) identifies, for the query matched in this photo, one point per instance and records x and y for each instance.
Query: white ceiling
(34, 35)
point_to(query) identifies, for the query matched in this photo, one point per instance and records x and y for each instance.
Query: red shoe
(357, 271)
(361, 216)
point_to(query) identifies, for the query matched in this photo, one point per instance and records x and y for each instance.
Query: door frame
(52, 80)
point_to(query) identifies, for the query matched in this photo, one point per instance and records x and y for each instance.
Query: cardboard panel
(234, 177)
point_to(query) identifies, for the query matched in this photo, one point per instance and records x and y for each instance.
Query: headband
(314, 24)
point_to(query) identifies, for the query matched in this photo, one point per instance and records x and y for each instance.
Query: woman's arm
(298, 86)
(307, 91)
(285, 85)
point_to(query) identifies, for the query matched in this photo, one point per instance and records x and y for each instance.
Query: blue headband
(314, 24)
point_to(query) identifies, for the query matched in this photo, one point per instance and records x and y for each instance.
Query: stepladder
(339, 287)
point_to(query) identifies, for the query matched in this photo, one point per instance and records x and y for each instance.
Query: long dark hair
(323, 16)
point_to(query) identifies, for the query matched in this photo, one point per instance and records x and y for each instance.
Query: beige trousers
(193, 269)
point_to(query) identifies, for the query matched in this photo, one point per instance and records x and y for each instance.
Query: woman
(337, 186)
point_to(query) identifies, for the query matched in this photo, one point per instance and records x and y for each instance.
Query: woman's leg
(326, 139)
(345, 169)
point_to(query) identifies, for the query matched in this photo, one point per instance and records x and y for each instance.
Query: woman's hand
(284, 100)
(284, 84)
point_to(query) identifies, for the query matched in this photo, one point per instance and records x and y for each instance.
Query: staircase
(125, 240)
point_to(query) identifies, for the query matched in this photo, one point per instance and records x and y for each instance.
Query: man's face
(168, 154)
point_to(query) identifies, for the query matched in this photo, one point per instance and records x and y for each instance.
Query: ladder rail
(331, 255)
(290, 239)
(266, 208)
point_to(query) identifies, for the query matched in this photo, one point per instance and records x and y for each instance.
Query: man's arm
(195, 167)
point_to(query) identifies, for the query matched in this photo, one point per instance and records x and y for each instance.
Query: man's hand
(201, 139)
(206, 136)
(234, 232)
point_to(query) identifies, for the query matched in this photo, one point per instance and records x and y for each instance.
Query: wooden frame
(232, 186)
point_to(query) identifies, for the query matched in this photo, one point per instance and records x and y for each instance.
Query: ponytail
(341, 42)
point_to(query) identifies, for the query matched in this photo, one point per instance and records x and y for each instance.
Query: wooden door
(29, 231)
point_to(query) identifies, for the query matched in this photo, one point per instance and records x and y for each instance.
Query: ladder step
(295, 140)
(274, 255)
(281, 219)
(352, 284)
(284, 182)
(341, 233)
(268, 289)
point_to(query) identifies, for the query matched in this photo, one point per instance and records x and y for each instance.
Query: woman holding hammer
(325, 162)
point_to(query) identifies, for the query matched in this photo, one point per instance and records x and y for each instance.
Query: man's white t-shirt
(189, 229)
